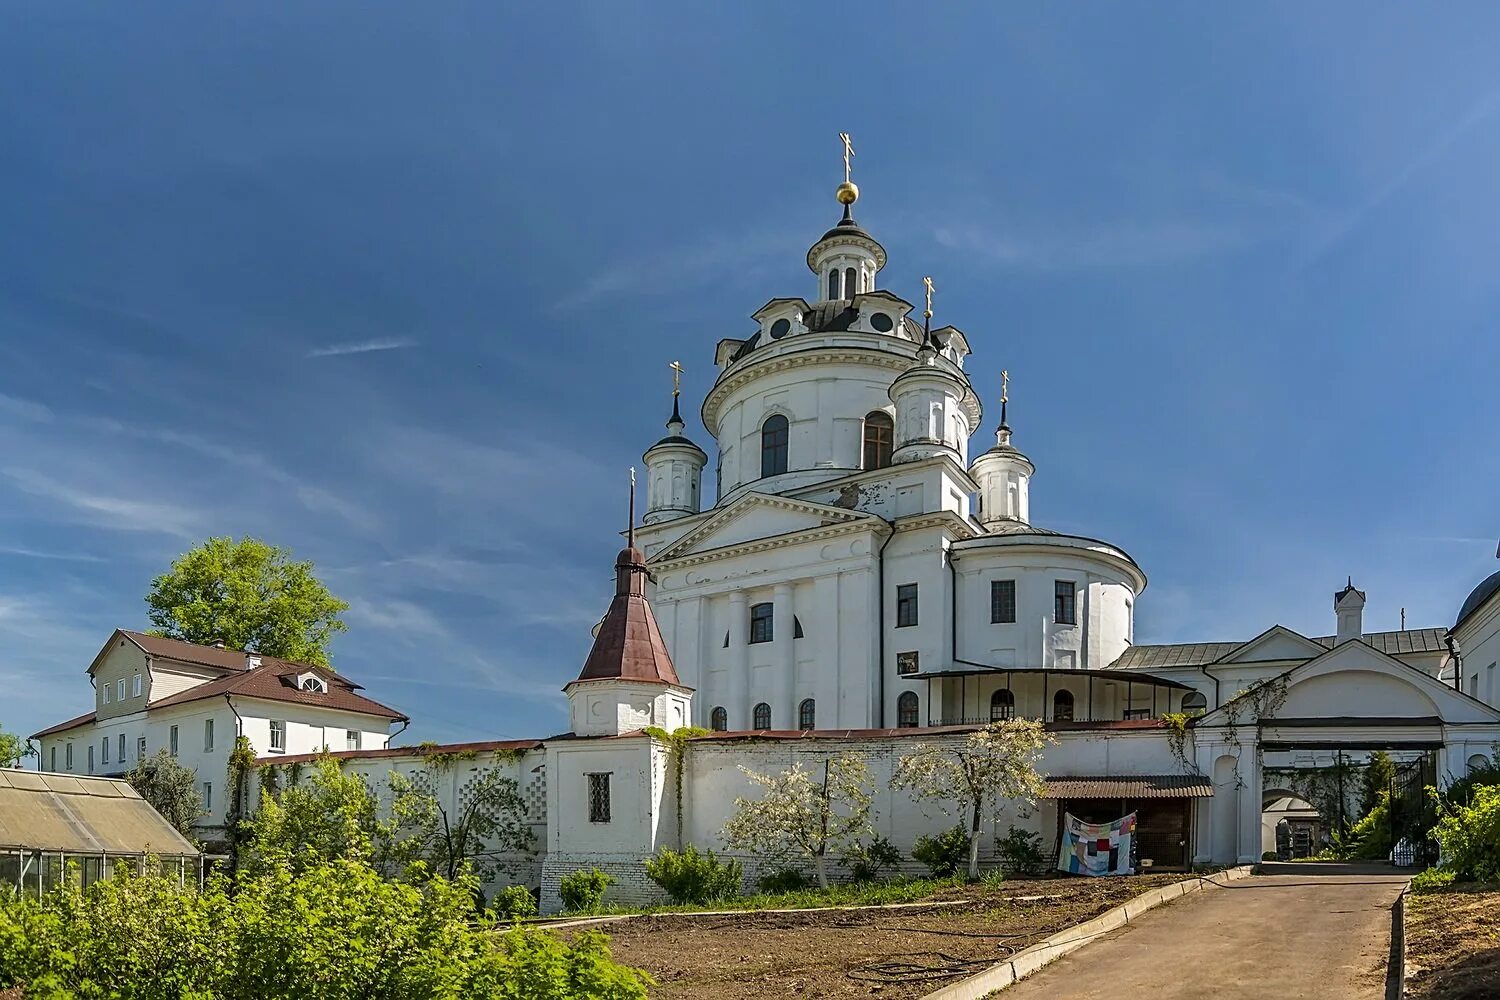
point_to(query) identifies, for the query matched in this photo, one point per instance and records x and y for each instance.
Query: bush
(868, 862)
(1269, 856)
(1021, 852)
(691, 877)
(785, 880)
(1470, 836)
(944, 855)
(993, 879)
(1370, 838)
(513, 902)
(1461, 792)
(336, 931)
(584, 889)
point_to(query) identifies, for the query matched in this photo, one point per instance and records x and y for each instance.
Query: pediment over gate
(1355, 681)
(1276, 643)
(757, 517)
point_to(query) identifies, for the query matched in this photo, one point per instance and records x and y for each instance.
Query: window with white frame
(68, 755)
(104, 694)
(278, 736)
(91, 758)
(122, 748)
(208, 796)
(52, 759)
(104, 750)
(135, 686)
(599, 798)
(120, 689)
(314, 685)
(351, 739)
(172, 740)
(140, 747)
(208, 735)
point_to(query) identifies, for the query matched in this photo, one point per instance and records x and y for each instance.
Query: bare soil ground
(1453, 943)
(892, 953)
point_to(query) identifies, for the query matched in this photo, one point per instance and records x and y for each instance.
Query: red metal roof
(275, 680)
(488, 746)
(629, 645)
(64, 726)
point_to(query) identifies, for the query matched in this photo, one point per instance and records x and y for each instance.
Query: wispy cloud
(23, 408)
(111, 510)
(668, 271)
(362, 347)
(398, 616)
(25, 553)
(1121, 244)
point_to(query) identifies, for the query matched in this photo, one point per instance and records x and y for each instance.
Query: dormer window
(312, 683)
(781, 328)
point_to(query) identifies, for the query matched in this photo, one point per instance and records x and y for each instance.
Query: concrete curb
(1024, 963)
(1395, 970)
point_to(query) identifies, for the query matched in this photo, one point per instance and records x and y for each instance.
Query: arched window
(773, 439)
(833, 283)
(1194, 703)
(762, 716)
(851, 283)
(718, 720)
(906, 710)
(1062, 706)
(1002, 705)
(807, 714)
(762, 623)
(880, 431)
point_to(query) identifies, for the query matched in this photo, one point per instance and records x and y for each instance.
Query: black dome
(1486, 589)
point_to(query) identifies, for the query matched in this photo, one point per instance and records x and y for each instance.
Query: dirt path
(1283, 936)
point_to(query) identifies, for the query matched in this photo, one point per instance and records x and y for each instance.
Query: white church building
(863, 582)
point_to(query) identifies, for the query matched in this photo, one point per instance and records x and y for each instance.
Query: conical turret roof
(629, 645)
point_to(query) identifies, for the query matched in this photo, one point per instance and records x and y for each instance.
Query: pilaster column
(784, 648)
(738, 708)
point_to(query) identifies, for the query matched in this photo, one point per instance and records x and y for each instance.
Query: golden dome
(848, 193)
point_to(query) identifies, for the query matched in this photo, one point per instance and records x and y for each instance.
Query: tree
(13, 749)
(804, 814)
(1379, 773)
(331, 816)
(250, 595)
(993, 764)
(171, 788)
(488, 823)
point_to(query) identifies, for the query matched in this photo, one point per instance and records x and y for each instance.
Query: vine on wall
(1250, 706)
(676, 743)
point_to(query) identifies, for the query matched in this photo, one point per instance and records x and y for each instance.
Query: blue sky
(395, 285)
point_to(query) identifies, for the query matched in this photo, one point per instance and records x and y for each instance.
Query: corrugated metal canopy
(1151, 786)
(82, 815)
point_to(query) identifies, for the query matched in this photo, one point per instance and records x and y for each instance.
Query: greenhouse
(56, 826)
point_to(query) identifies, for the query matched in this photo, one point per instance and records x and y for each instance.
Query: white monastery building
(861, 582)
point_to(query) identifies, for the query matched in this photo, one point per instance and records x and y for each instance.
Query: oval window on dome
(882, 322)
(781, 328)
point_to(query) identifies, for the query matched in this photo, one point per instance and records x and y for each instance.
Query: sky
(396, 285)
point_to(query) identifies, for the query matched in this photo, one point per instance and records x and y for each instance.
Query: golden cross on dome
(677, 371)
(928, 282)
(848, 152)
(1004, 386)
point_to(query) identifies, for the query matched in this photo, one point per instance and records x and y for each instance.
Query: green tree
(329, 816)
(487, 825)
(13, 749)
(1380, 771)
(806, 814)
(249, 594)
(994, 763)
(171, 788)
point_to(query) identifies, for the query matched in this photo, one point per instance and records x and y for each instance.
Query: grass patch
(850, 894)
(1453, 941)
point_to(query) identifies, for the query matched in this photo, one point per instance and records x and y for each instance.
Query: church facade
(862, 582)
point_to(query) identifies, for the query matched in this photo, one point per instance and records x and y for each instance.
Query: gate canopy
(1152, 786)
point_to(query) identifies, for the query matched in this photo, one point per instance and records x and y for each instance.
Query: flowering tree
(805, 813)
(995, 763)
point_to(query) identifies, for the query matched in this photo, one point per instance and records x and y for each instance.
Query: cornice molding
(839, 516)
(872, 525)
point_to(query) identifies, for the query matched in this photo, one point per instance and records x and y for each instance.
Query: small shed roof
(82, 815)
(1150, 786)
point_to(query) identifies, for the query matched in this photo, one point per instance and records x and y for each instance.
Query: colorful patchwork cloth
(1097, 848)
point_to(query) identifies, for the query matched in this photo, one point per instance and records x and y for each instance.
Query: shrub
(692, 877)
(993, 879)
(945, 854)
(1269, 856)
(584, 889)
(1021, 852)
(336, 930)
(1432, 878)
(514, 901)
(868, 862)
(1461, 792)
(785, 880)
(1370, 838)
(1470, 836)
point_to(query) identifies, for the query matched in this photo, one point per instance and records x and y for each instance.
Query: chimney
(216, 643)
(1349, 607)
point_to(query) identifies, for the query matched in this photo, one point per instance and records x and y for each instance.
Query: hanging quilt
(1097, 848)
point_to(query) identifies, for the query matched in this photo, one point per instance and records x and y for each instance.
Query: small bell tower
(674, 467)
(1003, 474)
(931, 419)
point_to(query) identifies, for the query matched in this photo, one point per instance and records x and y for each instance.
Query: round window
(780, 328)
(881, 322)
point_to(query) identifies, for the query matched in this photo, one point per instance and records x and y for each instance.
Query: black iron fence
(1413, 813)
